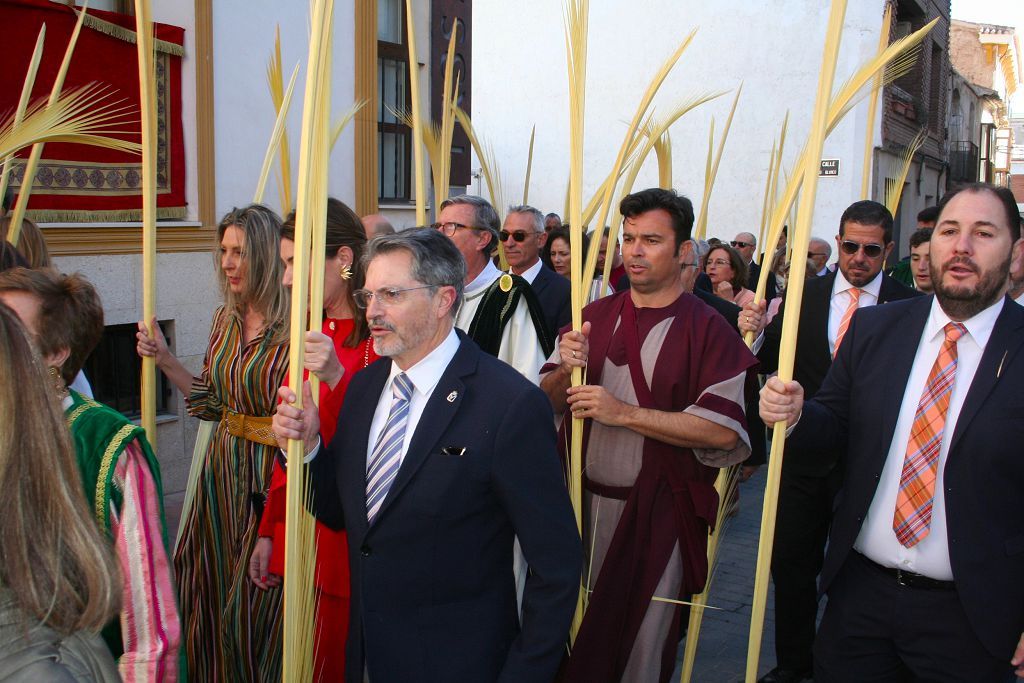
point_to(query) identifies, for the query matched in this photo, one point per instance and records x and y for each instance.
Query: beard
(962, 302)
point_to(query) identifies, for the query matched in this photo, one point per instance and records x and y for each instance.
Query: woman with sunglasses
(728, 274)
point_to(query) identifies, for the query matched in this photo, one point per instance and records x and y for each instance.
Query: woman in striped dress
(245, 364)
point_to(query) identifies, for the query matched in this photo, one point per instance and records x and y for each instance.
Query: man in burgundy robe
(664, 408)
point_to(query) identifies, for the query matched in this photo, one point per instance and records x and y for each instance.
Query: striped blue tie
(387, 453)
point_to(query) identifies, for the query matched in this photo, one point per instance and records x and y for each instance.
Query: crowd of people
(447, 548)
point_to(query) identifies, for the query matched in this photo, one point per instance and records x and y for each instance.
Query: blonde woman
(60, 583)
(245, 363)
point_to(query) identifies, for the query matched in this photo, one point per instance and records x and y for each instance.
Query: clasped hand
(292, 422)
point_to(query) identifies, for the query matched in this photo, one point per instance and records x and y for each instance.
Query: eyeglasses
(385, 296)
(814, 254)
(736, 244)
(450, 227)
(719, 262)
(870, 250)
(518, 235)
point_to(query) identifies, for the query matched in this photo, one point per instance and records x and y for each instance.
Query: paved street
(722, 651)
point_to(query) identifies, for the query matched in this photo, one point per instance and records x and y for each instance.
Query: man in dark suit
(926, 550)
(443, 455)
(810, 477)
(523, 237)
(746, 244)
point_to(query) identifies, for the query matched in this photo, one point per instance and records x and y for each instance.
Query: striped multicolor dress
(228, 624)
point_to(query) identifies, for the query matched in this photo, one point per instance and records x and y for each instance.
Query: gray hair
(436, 261)
(538, 217)
(696, 251)
(824, 243)
(484, 217)
(702, 249)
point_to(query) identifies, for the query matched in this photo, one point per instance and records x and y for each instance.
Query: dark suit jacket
(753, 273)
(812, 356)
(433, 595)
(553, 291)
(856, 410)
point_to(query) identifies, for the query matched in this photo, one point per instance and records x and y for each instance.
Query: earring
(58, 383)
(345, 272)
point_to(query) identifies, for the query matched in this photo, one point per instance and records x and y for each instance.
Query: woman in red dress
(333, 355)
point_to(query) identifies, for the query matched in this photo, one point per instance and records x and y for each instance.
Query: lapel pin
(999, 370)
(452, 396)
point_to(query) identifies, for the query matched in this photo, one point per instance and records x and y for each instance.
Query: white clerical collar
(425, 374)
(488, 275)
(979, 326)
(842, 284)
(531, 273)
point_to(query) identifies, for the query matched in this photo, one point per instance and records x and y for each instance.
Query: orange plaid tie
(844, 324)
(913, 517)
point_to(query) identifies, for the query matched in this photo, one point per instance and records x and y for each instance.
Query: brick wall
(911, 101)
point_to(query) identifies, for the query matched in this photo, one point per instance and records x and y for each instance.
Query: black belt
(909, 579)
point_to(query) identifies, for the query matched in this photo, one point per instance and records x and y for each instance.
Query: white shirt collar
(484, 279)
(425, 374)
(531, 273)
(1020, 300)
(842, 284)
(979, 327)
(67, 402)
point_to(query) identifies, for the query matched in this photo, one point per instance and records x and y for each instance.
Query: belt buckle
(900, 578)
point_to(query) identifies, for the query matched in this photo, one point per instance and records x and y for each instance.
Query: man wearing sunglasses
(810, 477)
(926, 549)
(746, 244)
(523, 237)
(499, 312)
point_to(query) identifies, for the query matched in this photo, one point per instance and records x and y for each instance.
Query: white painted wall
(244, 116)
(774, 47)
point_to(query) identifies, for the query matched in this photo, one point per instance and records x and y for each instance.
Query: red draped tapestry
(77, 183)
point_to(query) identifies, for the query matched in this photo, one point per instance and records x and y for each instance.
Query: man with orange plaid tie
(810, 476)
(926, 552)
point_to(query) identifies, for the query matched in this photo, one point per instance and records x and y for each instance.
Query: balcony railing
(963, 162)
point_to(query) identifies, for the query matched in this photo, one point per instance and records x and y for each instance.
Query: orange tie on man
(913, 517)
(844, 324)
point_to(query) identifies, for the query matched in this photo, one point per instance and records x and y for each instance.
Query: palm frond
(876, 87)
(20, 206)
(19, 114)
(529, 166)
(278, 142)
(898, 174)
(709, 180)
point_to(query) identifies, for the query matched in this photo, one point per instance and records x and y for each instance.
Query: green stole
(101, 434)
(497, 308)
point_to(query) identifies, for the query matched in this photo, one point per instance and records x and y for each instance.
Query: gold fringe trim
(122, 216)
(128, 35)
(108, 460)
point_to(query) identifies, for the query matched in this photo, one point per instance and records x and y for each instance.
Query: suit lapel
(1002, 347)
(907, 330)
(817, 310)
(540, 282)
(441, 408)
(360, 419)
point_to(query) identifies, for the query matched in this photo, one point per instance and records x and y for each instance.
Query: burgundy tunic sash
(673, 499)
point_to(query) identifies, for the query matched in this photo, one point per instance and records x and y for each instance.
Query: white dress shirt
(1020, 300)
(424, 377)
(489, 274)
(841, 300)
(877, 540)
(530, 274)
